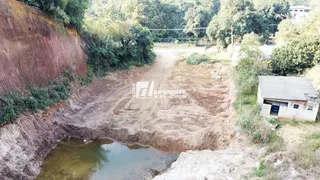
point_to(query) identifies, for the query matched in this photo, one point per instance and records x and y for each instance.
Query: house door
(275, 109)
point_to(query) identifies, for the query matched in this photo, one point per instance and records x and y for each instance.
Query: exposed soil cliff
(33, 49)
(25, 144)
(107, 109)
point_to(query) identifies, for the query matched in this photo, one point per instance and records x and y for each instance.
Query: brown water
(102, 160)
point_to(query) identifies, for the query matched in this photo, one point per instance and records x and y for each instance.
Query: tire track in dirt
(202, 120)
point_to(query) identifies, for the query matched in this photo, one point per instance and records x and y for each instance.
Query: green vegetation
(112, 42)
(266, 171)
(86, 79)
(14, 104)
(68, 12)
(275, 122)
(247, 71)
(239, 17)
(300, 48)
(307, 154)
(134, 50)
(296, 57)
(156, 14)
(196, 59)
(260, 171)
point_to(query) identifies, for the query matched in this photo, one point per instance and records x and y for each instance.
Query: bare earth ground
(295, 134)
(202, 120)
(106, 108)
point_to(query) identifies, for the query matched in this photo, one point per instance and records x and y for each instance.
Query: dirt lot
(200, 120)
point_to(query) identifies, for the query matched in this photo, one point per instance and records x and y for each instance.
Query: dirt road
(199, 118)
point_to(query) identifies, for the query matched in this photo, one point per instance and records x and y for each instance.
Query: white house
(297, 13)
(292, 98)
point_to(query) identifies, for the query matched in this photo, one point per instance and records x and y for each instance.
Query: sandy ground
(201, 119)
(295, 134)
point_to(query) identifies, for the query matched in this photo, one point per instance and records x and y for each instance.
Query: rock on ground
(230, 163)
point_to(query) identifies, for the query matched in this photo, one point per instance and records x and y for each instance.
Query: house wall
(299, 114)
(265, 110)
(288, 112)
(260, 98)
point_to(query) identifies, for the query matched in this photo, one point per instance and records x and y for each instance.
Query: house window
(296, 106)
(310, 108)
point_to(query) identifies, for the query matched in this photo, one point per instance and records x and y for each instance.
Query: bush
(106, 55)
(296, 57)
(69, 12)
(14, 104)
(196, 59)
(260, 171)
(275, 122)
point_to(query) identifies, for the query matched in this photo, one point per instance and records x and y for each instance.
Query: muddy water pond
(102, 160)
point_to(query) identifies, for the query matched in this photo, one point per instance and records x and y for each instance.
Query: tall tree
(239, 17)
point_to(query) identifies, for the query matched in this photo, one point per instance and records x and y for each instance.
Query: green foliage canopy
(239, 17)
(69, 12)
(297, 56)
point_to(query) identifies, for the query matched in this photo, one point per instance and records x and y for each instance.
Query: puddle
(102, 160)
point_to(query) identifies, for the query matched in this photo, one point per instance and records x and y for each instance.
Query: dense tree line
(299, 46)
(239, 17)
(69, 12)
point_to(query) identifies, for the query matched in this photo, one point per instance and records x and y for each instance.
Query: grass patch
(275, 143)
(307, 154)
(260, 171)
(266, 171)
(196, 59)
(221, 60)
(315, 136)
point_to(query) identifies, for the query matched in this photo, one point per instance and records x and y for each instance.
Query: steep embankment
(25, 144)
(33, 49)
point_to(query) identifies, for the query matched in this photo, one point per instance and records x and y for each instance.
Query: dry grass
(307, 154)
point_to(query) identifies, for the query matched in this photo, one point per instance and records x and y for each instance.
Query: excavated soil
(201, 120)
(107, 109)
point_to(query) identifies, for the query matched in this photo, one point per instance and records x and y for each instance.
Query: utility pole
(232, 35)
(232, 41)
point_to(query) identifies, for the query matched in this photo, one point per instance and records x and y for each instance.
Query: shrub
(296, 57)
(14, 104)
(275, 122)
(196, 59)
(260, 171)
(106, 55)
(69, 12)
(86, 79)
